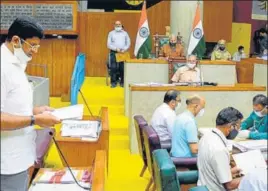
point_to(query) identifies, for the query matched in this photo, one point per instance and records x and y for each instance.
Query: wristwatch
(32, 120)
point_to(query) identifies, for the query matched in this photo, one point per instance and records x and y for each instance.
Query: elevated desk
(143, 100)
(79, 153)
(260, 72)
(98, 170)
(157, 70)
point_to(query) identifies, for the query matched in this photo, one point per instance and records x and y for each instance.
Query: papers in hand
(70, 112)
(251, 145)
(249, 160)
(85, 129)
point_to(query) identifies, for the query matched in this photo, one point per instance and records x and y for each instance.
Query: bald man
(220, 53)
(185, 133)
(188, 73)
(173, 49)
(118, 41)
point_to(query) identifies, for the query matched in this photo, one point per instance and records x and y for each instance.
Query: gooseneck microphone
(54, 140)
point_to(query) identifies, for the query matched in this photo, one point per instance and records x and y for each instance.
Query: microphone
(201, 74)
(85, 188)
(86, 103)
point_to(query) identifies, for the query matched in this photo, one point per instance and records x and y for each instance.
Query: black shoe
(113, 85)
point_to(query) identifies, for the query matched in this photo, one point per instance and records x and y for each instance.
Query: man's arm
(109, 42)
(247, 123)
(194, 148)
(258, 136)
(213, 56)
(126, 47)
(192, 136)
(233, 184)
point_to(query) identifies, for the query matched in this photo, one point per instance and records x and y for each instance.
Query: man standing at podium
(118, 42)
(18, 116)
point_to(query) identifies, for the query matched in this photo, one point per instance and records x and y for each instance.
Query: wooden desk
(158, 70)
(80, 153)
(99, 171)
(144, 101)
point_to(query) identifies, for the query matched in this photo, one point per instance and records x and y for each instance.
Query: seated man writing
(164, 116)
(256, 125)
(220, 52)
(188, 73)
(185, 132)
(214, 159)
(172, 50)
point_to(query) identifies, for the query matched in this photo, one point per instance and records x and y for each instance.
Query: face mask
(20, 54)
(172, 44)
(191, 65)
(201, 113)
(232, 134)
(177, 107)
(242, 51)
(118, 29)
(222, 48)
(259, 113)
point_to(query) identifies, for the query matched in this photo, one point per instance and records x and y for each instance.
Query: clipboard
(122, 57)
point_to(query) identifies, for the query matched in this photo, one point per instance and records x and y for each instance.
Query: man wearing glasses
(18, 116)
(189, 73)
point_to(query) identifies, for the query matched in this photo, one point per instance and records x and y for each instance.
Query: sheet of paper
(250, 160)
(58, 187)
(66, 178)
(251, 145)
(70, 112)
(75, 128)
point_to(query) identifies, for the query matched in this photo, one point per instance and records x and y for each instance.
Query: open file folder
(70, 112)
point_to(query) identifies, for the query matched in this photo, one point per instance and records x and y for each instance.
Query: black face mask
(232, 135)
(172, 44)
(222, 48)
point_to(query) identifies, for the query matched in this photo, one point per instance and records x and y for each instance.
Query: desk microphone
(85, 188)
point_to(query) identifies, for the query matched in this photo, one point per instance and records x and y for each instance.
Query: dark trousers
(116, 69)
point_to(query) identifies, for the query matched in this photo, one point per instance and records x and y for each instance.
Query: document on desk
(251, 145)
(83, 129)
(70, 112)
(250, 160)
(58, 187)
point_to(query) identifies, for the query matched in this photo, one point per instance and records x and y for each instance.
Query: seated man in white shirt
(164, 116)
(240, 54)
(189, 73)
(213, 159)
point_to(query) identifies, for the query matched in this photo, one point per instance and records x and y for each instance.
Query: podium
(40, 90)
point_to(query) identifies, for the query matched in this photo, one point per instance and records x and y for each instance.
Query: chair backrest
(140, 123)
(151, 143)
(165, 175)
(173, 65)
(43, 142)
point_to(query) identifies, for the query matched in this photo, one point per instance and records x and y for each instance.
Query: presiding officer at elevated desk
(189, 73)
(256, 125)
(172, 50)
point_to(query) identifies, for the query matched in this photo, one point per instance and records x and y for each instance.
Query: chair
(140, 123)
(165, 176)
(151, 143)
(43, 143)
(173, 65)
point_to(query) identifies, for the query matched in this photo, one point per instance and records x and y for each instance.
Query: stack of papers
(84, 129)
(70, 112)
(249, 161)
(152, 84)
(251, 145)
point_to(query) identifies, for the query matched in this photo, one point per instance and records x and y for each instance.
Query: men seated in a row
(256, 125)
(185, 131)
(239, 54)
(172, 50)
(188, 73)
(164, 116)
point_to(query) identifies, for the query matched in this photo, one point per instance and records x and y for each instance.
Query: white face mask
(178, 107)
(201, 113)
(117, 29)
(20, 54)
(259, 113)
(192, 66)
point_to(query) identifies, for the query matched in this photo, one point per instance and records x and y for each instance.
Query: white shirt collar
(220, 135)
(6, 52)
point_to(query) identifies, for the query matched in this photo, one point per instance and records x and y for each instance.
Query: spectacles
(33, 47)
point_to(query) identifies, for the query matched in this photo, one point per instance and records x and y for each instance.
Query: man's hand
(41, 109)
(236, 171)
(46, 120)
(118, 50)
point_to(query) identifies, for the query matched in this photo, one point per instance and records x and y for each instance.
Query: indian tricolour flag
(197, 43)
(143, 44)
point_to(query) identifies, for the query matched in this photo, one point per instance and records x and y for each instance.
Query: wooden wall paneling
(217, 21)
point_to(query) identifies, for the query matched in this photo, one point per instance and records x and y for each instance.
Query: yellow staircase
(124, 168)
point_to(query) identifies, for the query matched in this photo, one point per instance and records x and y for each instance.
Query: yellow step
(119, 142)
